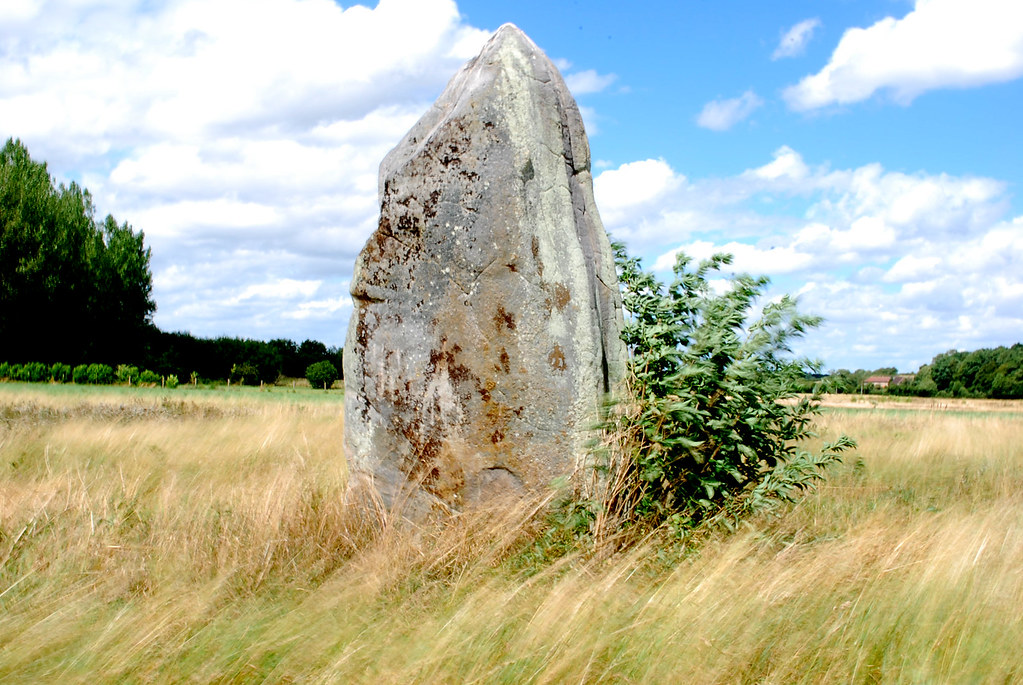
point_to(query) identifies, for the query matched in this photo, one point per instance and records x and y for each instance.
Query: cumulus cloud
(721, 115)
(793, 43)
(940, 44)
(625, 191)
(243, 138)
(787, 164)
(903, 266)
(589, 81)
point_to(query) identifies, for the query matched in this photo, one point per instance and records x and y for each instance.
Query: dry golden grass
(205, 538)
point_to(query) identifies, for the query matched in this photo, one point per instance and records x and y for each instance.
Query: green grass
(12, 391)
(211, 541)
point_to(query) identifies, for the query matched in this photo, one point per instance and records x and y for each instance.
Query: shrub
(172, 381)
(80, 374)
(5, 370)
(36, 372)
(321, 374)
(710, 421)
(100, 374)
(61, 373)
(148, 377)
(127, 373)
(246, 374)
(18, 373)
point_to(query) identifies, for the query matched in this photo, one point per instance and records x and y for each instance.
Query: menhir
(486, 330)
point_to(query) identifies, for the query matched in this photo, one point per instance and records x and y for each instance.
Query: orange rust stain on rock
(503, 319)
(557, 359)
(561, 296)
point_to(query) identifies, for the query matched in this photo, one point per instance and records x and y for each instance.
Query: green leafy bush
(246, 374)
(60, 373)
(321, 374)
(127, 374)
(100, 374)
(710, 422)
(18, 373)
(80, 374)
(148, 377)
(36, 372)
(171, 381)
(5, 370)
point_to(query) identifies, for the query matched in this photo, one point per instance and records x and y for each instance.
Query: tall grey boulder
(487, 321)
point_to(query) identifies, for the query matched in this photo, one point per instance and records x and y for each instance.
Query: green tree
(124, 298)
(321, 374)
(711, 424)
(244, 373)
(70, 287)
(944, 369)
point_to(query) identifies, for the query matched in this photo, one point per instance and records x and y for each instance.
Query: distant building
(878, 381)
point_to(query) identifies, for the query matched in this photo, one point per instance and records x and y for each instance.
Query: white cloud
(940, 44)
(320, 309)
(721, 115)
(242, 137)
(18, 10)
(746, 258)
(623, 193)
(787, 164)
(589, 81)
(912, 268)
(793, 43)
(892, 260)
(279, 289)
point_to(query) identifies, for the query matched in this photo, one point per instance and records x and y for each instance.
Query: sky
(863, 154)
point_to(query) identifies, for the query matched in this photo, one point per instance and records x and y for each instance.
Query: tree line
(73, 288)
(985, 373)
(76, 290)
(239, 359)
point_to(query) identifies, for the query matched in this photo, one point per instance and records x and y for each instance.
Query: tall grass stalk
(214, 543)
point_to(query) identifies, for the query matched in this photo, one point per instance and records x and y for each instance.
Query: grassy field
(203, 536)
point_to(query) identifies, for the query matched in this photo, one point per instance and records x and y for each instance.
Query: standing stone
(487, 320)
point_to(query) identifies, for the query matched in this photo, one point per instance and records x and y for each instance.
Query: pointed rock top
(512, 39)
(510, 31)
(513, 79)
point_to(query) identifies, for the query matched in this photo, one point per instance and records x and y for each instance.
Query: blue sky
(863, 154)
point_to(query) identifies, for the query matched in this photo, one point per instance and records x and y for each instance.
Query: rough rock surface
(487, 318)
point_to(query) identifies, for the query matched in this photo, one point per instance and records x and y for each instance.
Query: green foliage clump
(246, 374)
(5, 370)
(986, 372)
(710, 423)
(212, 358)
(148, 377)
(172, 381)
(321, 374)
(80, 374)
(36, 372)
(60, 373)
(87, 275)
(126, 373)
(99, 374)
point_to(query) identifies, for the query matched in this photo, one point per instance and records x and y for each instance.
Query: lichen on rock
(487, 320)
